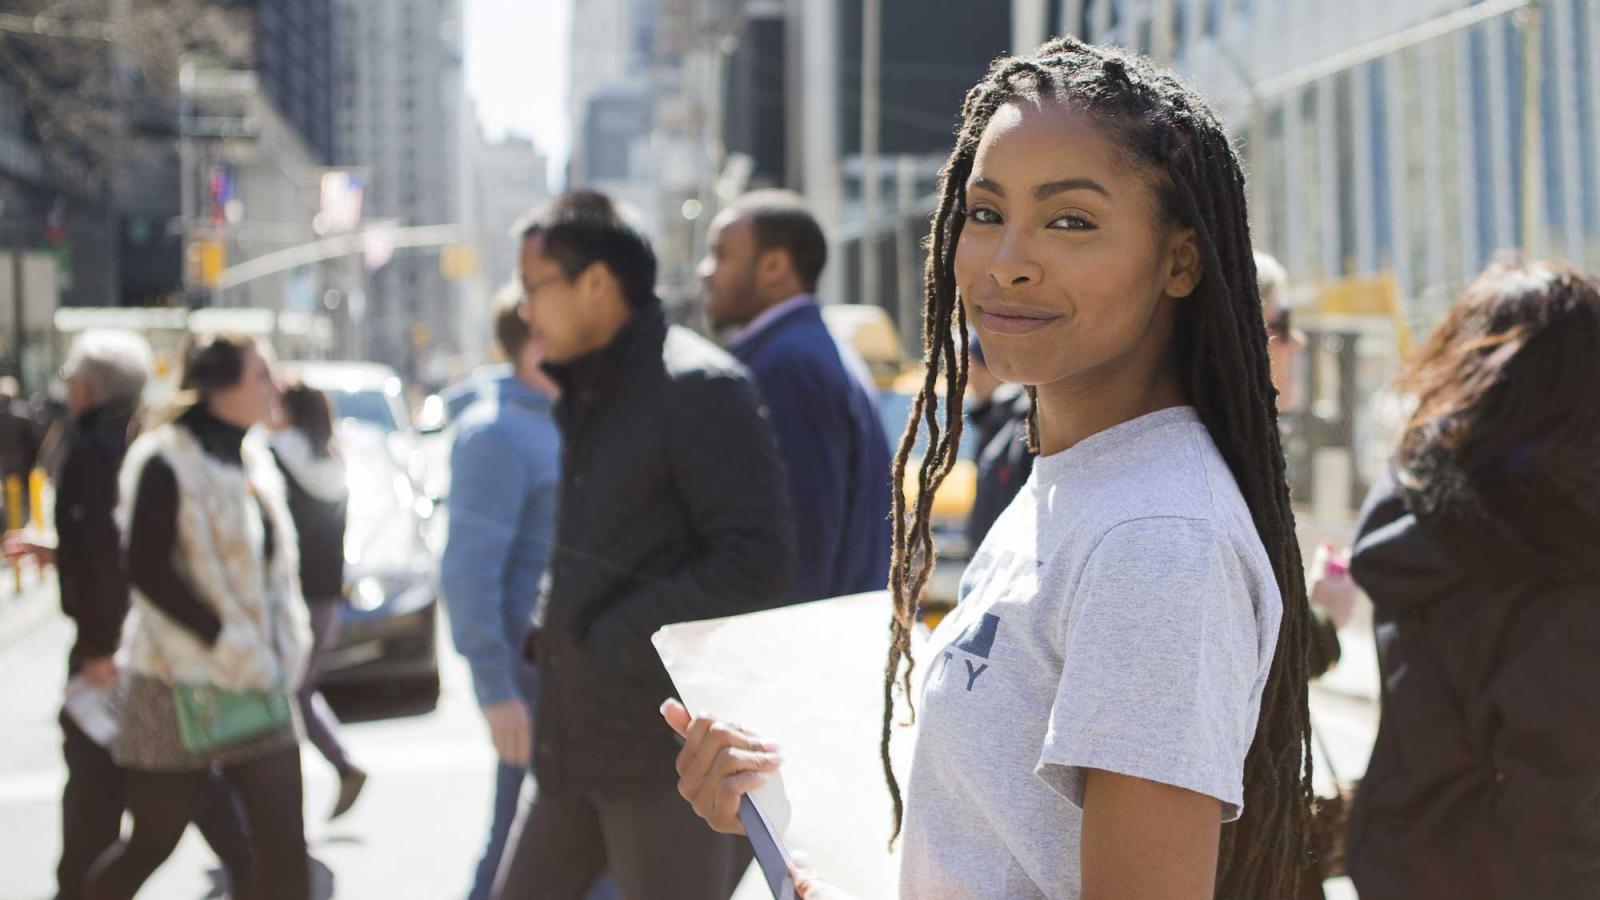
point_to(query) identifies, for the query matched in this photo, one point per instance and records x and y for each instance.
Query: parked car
(389, 615)
(371, 393)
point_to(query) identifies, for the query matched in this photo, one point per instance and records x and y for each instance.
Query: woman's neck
(220, 438)
(1077, 408)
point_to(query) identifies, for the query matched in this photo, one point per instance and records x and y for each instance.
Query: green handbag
(210, 718)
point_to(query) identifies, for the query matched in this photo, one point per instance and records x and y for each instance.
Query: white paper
(90, 708)
(811, 678)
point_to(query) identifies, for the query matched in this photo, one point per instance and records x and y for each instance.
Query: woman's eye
(1072, 223)
(983, 216)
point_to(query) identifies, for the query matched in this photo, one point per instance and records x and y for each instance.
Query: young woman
(1117, 707)
(1481, 553)
(211, 557)
(314, 474)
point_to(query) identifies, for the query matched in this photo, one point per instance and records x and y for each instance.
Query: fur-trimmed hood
(323, 477)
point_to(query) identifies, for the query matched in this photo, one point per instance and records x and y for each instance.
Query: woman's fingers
(726, 750)
(719, 763)
(718, 803)
(677, 716)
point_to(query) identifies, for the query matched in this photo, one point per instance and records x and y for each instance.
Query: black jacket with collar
(94, 588)
(1484, 783)
(673, 507)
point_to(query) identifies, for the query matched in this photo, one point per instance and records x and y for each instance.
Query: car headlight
(368, 594)
(401, 592)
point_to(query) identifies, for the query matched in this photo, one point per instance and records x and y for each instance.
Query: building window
(1414, 106)
(1378, 129)
(1483, 138)
(1313, 218)
(1345, 146)
(1588, 108)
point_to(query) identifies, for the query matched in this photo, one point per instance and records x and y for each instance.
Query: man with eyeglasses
(673, 506)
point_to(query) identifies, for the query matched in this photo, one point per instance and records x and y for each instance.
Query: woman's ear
(1181, 266)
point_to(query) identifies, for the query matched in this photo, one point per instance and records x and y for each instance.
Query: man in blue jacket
(760, 273)
(504, 469)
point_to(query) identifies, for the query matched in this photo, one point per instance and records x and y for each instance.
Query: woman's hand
(719, 763)
(1332, 590)
(19, 545)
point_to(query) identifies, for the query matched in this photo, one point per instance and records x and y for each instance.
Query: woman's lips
(1013, 321)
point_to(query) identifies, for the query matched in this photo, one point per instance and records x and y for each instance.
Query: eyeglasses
(534, 287)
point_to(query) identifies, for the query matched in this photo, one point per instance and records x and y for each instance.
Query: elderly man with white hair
(105, 375)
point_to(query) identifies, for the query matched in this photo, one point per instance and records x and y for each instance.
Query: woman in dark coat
(1481, 554)
(314, 474)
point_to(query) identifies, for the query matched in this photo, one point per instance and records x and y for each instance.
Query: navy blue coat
(834, 450)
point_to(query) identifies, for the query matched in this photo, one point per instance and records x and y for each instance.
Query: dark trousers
(164, 803)
(91, 817)
(322, 726)
(653, 846)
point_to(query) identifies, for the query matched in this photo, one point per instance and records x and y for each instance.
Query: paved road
(415, 833)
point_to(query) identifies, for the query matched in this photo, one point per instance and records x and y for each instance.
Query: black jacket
(1000, 429)
(1485, 779)
(672, 507)
(320, 523)
(94, 590)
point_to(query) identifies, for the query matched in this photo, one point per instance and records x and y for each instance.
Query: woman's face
(1064, 264)
(251, 401)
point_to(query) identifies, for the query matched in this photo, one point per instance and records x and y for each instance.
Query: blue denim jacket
(504, 470)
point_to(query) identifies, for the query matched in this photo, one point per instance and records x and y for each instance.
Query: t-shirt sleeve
(1161, 658)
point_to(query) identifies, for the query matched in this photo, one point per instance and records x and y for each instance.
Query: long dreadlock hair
(1222, 352)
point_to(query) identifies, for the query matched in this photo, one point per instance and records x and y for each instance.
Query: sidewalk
(21, 613)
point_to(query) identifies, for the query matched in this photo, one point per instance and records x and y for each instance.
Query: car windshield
(370, 406)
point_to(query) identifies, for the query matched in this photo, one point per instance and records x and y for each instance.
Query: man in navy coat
(760, 271)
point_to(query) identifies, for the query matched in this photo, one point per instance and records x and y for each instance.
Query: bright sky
(516, 70)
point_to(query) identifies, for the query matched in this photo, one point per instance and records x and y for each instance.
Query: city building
(399, 125)
(505, 180)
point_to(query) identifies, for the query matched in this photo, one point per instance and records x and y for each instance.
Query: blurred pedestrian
(217, 641)
(1117, 706)
(19, 438)
(105, 375)
(766, 252)
(505, 472)
(672, 507)
(314, 475)
(1332, 594)
(1481, 553)
(997, 415)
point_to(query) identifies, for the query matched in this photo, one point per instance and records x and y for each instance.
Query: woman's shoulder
(1174, 472)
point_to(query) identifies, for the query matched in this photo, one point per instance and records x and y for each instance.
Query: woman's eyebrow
(1051, 188)
(1046, 190)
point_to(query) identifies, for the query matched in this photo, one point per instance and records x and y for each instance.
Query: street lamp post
(871, 47)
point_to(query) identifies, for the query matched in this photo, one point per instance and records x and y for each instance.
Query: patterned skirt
(147, 737)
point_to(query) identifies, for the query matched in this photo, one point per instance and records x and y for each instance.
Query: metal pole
(871, 45)
(1532, 123)
(818, 80)
(18, 320)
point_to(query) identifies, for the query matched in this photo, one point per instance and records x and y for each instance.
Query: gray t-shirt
(1121, 615)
